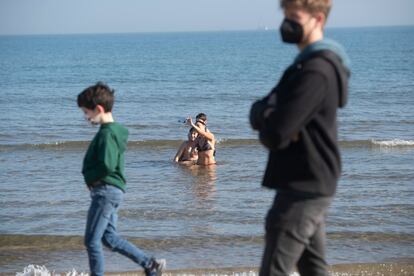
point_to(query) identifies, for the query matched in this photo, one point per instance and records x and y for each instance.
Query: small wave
(131, 144)
(237, 142)
(38, 270)
(363, 269)
(355, 144)
(372, 143)
(394, 143)
(10, 242)
(50, 145)
(372, 236)
(221, 143)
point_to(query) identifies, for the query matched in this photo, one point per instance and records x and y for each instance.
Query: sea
(195, 217)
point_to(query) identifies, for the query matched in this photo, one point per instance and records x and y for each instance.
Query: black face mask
(291, 31)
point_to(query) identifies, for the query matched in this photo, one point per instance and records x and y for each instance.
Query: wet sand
(385, 269)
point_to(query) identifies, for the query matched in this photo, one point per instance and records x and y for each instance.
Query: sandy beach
(385, 269)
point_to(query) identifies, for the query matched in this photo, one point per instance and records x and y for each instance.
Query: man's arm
(293, 109)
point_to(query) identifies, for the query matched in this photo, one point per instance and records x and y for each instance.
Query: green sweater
(104, 159)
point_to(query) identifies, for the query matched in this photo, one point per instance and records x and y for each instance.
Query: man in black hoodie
(297, 123)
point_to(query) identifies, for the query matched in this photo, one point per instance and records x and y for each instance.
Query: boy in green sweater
(103, 171)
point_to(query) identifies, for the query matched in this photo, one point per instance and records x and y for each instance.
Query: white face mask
(94, 120)
(92, 116)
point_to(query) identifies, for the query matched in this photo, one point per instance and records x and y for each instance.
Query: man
(297, 123)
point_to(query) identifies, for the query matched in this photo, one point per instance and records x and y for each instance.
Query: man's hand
(296, 137)
(272, 99)
(268, 111)
(271, 102)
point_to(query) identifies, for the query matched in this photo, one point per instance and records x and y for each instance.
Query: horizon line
(260, 28)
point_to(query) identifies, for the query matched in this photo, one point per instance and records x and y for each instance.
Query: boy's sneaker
(155, 267)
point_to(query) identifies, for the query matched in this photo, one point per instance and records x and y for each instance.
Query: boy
(297, 123)
(103, 171)
(187, 152)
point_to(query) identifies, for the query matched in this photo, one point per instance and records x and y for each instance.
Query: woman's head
(192, 134)
(201, 117)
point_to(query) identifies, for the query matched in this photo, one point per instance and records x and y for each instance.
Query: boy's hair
(311, 6)
(98, 94)
(191, 130)
(201, 116)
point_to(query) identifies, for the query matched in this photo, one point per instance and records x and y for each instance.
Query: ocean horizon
(258, 29)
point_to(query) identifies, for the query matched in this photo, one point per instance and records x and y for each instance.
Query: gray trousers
(295, 236)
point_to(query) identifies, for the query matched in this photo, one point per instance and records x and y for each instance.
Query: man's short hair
(311, 6)
(98, 94)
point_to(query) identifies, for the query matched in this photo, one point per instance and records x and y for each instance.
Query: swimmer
(187, 152)
(205, 141)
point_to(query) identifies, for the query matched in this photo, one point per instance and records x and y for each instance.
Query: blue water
(195, 217)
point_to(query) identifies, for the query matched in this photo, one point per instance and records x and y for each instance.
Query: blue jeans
(295, 236)
(101, 228)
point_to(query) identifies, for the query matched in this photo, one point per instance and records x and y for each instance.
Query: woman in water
(187, 152)
(205, 140)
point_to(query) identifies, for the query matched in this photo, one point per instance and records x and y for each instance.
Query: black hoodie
(301, 132)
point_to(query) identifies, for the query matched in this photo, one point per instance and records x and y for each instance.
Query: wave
(371, 236)
(11, 242)
(14, 242)
(373, 143)
(61, 145)
(41, 270)
(394, 143)
(131, 144)
(363, 269)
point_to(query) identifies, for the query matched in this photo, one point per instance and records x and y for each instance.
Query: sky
(125, 16)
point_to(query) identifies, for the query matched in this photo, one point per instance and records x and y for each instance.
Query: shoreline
(366, 269)
(362, 269)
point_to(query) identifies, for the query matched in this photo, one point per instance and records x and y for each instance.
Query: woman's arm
(207, 134)
(179, 152)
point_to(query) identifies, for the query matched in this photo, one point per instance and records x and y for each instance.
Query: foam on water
(38, 270)
(174, 143)
(385, 269)
(394, 143)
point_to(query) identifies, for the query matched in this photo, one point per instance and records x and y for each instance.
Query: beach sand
(371, 269)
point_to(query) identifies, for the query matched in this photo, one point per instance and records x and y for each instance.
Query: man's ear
(321, 18)
(100, 108)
